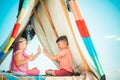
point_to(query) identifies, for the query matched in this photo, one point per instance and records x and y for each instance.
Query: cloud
(119, 69)
(118, 39)
(113, 37)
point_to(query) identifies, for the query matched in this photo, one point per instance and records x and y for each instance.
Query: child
(20, 59)
(63, 58)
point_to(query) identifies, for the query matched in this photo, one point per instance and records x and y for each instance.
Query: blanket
(10, 76)
(83, 76)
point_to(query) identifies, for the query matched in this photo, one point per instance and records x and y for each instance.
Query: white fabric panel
(61, 26)
(40, 34)
(51, 36)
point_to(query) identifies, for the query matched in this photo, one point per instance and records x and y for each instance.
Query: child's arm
(19, 61)
(50, 56)
(57, 61)
(37, 54)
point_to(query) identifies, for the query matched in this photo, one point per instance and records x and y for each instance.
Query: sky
(102, 18)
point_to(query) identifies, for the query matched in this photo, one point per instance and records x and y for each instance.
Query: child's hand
(38, 50)
(30, 58)
(57, 60)
(44, 50)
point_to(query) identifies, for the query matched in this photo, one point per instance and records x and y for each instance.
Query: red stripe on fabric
(82, 28)
(15, 30)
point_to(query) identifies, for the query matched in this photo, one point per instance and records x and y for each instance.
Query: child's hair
(16, 42)
(62, 38)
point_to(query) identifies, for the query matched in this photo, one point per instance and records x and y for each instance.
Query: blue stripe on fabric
(91, 50)
(96, 57)
(2, 54)
(39, 78)
(10, 77)
(87, 45)
(92, 47)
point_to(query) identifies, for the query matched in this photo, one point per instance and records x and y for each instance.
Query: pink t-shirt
(65, 60)
(21, 68)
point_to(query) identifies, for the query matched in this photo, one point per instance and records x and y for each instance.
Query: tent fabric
(52, 23)
(46, 34)
(61, 26)
(41, 35)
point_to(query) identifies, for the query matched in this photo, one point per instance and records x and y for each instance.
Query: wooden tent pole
(70, 25)
(36, 2)
(49, 17)
(38, 19)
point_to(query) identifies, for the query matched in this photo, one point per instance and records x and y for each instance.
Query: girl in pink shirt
(20, 59)
(63, 58)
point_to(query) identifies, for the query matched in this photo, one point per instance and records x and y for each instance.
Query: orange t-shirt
(65, 60)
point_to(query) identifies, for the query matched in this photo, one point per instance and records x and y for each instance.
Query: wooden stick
(49, 17)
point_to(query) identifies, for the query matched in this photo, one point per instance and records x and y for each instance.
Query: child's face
(62, 44)
(23, 45)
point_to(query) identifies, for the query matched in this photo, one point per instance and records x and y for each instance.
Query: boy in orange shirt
(63, 58)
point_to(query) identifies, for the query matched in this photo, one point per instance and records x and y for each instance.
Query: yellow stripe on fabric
(21, 16)
(8, 45)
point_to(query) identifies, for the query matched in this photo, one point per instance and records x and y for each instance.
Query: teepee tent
(50, 19)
